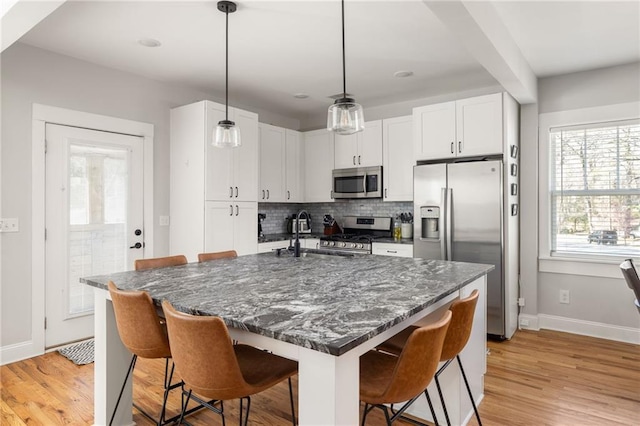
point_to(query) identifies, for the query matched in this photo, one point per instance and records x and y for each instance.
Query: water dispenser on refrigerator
(430, 218)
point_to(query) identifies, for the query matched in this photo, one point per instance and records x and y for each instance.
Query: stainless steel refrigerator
(458, 215)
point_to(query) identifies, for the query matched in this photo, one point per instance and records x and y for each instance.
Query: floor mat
(80, 353)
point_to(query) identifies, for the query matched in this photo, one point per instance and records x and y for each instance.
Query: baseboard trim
(581, 327)
(18, 352)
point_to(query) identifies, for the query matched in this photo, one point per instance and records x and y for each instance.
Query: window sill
(590, 267)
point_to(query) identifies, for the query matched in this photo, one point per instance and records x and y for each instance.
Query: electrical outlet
(9, 225)
(520, 301)
(564, 297)
(164, 221)
(524, 322)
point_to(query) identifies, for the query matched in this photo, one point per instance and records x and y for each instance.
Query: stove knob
(343, 244)
(332, 243)
(360, 246)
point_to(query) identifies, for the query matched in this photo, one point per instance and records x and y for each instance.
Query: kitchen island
(324, 311)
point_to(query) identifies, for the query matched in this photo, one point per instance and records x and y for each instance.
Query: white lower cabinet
(392, 249)
(310, 243)
(231, 226)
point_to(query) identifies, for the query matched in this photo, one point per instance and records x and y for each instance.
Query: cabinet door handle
(452, 147)
(231, 192)
(267, 194)
(385, 193)
(392, 251)
(354, 160)
(237, 210)
(358, 159)
(459, 146)
(288, 195)
(263, 194)
(236, 192)
(230, 210)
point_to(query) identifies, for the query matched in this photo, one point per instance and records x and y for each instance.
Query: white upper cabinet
(463, 128)
(318, 165)
(200, 171)
(232, 173)
(281, 162)
(362, 149)
(294, 161)
(272, 163)
(397, 150)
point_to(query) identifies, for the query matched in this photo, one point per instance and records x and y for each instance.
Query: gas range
(359, 233)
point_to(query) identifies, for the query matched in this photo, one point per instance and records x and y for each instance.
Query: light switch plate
(164, 221)
(9, 225)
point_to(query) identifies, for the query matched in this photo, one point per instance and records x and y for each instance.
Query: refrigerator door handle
(449, 223)
(442, 224)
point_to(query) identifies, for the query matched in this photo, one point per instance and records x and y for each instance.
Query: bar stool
(159, 262)
(205, 257)
(455, 341)
(143, 334)
(214, 368)
(387, 379)
(631, 277)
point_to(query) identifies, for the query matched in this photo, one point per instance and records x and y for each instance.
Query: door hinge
(45, 323)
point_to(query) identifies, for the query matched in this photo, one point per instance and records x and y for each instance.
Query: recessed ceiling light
(300, 96)
(402, 74)
(149, 42)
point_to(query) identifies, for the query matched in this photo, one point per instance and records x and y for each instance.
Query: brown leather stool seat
(457, 337)
(212, 367)
(387, 379)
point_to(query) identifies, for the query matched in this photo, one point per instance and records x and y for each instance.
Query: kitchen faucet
(296, 245)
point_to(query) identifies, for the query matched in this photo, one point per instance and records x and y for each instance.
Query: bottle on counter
(397, 228)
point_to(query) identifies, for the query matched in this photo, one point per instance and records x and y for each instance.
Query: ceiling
(281, 48)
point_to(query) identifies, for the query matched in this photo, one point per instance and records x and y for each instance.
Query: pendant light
(227, 135)
(345, 116)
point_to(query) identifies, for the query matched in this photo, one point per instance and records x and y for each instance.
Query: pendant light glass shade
(345, 117)
(226, 135)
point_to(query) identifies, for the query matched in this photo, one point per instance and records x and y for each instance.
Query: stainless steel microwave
(358, 182)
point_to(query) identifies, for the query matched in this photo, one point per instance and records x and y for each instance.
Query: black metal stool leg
(444, 407)
(433, 412)
(126, 378)
(464, 376)
(293, 409)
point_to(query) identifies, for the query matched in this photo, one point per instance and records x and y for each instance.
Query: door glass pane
(98, 182)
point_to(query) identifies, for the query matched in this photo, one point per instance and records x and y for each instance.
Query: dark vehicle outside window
(635, 233)
(603, 237)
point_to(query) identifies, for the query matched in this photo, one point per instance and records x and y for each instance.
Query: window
(595, 189)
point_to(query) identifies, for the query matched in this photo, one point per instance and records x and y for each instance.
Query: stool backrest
(418, 361)
(631, 277)
(203, 354)
(460, 328)
(138, 324)
(160, 262)
(229, 254)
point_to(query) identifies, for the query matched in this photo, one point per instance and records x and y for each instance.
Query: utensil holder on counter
(406, 230)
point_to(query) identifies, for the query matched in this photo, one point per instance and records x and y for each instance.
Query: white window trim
(606, 267)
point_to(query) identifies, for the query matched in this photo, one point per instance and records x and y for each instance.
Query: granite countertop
(268, 238)
(327, 303)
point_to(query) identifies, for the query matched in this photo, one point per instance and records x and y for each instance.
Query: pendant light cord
(226, 59)
(344, 67)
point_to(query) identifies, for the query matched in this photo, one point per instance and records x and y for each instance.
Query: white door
(94, 221)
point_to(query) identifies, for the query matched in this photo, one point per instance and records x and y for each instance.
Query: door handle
(263, 194)
(452, 147)
(267, 194)
(237, 210)
(288, 195)
(136, 246)
(230, 210)
(459, 146)
(364, 183)
(358, 160)
(385, 193)
(236, 192)
(354, 160)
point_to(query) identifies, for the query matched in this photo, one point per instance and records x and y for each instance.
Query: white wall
(599, 306)
(30, 75)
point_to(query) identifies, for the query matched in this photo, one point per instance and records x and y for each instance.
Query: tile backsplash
(275, 221)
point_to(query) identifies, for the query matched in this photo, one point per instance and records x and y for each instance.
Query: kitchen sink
(314, 253)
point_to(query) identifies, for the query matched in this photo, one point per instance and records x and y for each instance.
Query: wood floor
(537, 378)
